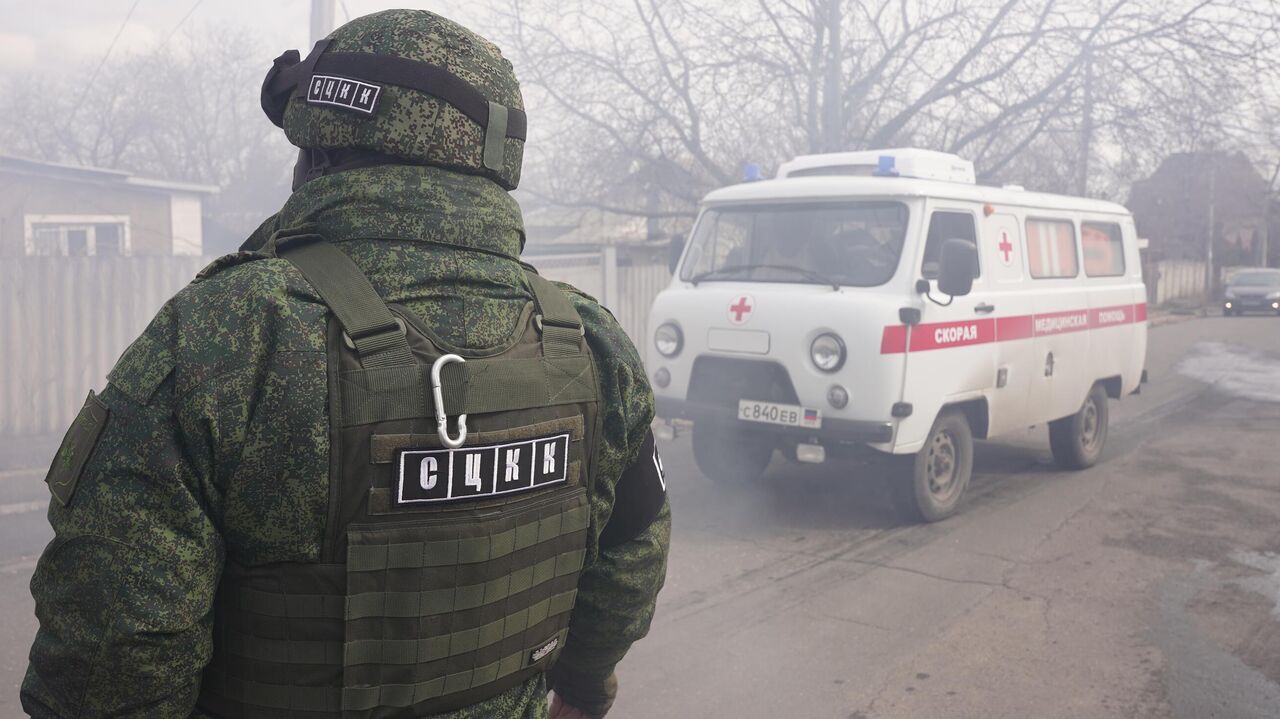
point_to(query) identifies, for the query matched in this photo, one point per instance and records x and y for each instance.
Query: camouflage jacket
(215, 445)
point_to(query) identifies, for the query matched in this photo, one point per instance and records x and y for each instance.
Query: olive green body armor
(447, 575)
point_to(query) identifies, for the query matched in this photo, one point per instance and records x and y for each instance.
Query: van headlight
(827, 352)
(668, 340)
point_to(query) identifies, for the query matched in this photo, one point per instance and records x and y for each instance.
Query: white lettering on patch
(428, 472)
(477, 472)
(343, 93)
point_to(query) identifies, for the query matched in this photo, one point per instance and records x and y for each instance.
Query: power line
(94, 76)
(177, 27)
(345, 11)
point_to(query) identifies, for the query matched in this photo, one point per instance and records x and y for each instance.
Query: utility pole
(833, 80)
(1211, 276)
(1266, 218)
(322, 19)
(1086, 127)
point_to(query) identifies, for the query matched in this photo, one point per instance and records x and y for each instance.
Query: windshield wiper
(809, 274)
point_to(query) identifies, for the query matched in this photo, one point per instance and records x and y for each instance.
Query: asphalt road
(1148, 586)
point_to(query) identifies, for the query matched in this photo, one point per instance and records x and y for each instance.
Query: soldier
(371, 465)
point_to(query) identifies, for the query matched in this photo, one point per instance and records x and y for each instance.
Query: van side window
(1051, 249)
(945, 226)
(1103, 249)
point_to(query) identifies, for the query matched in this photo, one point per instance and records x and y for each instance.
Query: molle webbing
(399, 640)
(378, 337)
(410, 695)
(469, 550)
(503, 596)
(475, 387)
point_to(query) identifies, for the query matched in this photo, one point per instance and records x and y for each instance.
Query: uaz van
(884, 299)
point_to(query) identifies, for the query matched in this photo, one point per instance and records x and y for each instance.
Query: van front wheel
(727, 457)
(940, 471)
(1077, 441)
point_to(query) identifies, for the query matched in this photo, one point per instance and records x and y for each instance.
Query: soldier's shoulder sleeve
(123, 590)
(623, 383)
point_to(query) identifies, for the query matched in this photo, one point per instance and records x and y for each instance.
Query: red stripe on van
(894, 341)
(1015, 328)
(942, 335)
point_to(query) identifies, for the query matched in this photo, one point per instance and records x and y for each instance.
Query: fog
(133, 152)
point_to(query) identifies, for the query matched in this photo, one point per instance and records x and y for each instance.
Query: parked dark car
(1252, 291)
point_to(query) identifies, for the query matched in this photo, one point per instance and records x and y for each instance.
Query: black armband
(638, 497)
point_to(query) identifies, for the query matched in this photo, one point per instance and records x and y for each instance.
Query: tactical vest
(447, 576)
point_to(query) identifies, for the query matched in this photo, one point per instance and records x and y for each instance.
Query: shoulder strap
(558, 321)
(378, 336)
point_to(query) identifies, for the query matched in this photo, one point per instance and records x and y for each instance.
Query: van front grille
(725, 380)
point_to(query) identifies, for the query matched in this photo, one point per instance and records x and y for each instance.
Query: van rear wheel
(1077, 441)
(939, 472)
(727, 457)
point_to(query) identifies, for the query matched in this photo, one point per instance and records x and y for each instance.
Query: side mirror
(674, 250)
(957, 267)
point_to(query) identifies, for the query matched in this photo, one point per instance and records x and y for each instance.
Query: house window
(76, 236)
(1051, 249)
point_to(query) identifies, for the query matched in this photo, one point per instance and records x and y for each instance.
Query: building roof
(96, 176)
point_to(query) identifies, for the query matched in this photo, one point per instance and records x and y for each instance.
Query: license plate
(788, 415)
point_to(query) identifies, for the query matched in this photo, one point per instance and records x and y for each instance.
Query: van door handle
(984, 309)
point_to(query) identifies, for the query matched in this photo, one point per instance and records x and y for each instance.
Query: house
(51, 209)
(1173, 207)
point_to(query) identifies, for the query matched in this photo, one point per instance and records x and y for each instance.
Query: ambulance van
(886, 300)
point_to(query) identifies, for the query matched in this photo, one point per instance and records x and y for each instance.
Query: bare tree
(670, 97)
(185, 111)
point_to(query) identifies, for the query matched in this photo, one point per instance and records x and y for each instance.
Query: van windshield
(849, 243)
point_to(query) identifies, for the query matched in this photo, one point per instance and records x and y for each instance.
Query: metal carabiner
(442, 420)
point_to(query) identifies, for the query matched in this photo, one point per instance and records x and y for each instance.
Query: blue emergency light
(886, 167)
(751, 172)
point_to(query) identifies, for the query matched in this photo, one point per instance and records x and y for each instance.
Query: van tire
(925, 496)
(727, 459)
(1077, 441)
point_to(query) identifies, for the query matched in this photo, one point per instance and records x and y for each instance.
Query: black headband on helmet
(291, 73)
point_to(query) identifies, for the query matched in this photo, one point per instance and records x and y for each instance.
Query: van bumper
(833, 429)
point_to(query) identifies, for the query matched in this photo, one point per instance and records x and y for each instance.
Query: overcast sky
(58, 35)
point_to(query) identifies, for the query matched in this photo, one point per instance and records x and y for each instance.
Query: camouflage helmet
(408, 84)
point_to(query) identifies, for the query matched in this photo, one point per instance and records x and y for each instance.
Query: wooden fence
(64, 322)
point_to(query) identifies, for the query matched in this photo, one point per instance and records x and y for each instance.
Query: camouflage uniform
(211, 442)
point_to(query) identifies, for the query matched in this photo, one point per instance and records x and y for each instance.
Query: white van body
(1024, 347)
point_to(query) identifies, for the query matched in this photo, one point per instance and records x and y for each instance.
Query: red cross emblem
(1006, 248)
(740, 311)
